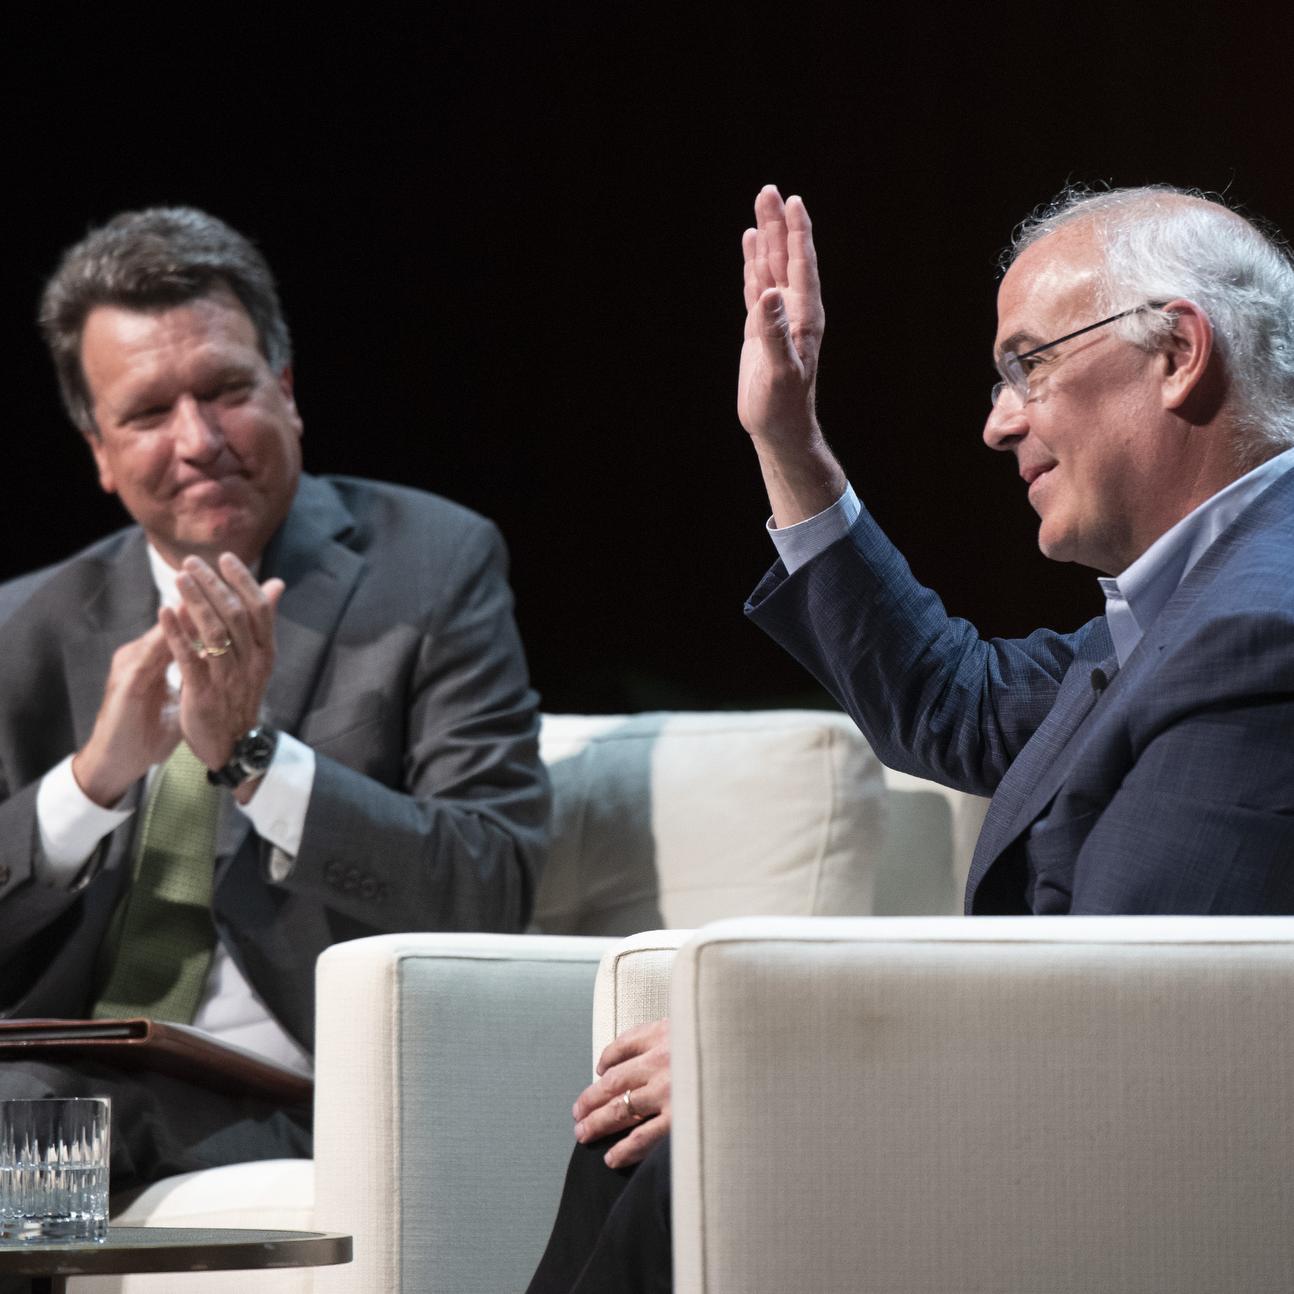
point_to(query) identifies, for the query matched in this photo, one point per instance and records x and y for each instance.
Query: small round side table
(171, 1249)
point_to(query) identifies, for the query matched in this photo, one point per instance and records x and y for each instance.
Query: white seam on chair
(495, 957)
(798, 720)
(395, 1032)
(615, 989)
(828, 760)
(1004, 942)
(700, 1137)
(615, 996)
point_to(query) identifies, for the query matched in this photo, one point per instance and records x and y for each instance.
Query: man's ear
(1187, 351)
(102, 462)
(285, 381)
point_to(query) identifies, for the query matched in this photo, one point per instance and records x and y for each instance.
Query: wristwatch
(250, 757)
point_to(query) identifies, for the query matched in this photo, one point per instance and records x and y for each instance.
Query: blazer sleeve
(26, 905)
(36, 732)
(38, 919)
(931, 696)
(455, 838)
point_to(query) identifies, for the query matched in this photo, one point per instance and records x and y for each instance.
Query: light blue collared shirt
(1132, 599)
(798, 543)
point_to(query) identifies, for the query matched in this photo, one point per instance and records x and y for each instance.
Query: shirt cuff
(278, 809)
(70, 825)
(803, 541)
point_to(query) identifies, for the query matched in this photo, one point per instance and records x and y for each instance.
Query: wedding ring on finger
(204, 650)
(627, 1098)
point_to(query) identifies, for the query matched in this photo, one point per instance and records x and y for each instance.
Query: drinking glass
(54, 1170)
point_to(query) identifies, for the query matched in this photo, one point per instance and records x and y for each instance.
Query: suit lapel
(1042, 766)
(320, 573)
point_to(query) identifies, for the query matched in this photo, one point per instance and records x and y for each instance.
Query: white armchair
(446, 1064)
(890, 1104)
(447, 1068)
(1007, 1104)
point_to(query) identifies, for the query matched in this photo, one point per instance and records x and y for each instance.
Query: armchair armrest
(446, 1068)
(1014, 1104)
(632, 985)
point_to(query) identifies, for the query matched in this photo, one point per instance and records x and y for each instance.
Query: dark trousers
(612, 1233)
(161, 1125)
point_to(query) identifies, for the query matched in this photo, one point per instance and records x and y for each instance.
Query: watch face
(251, 756)
(256, 749)
(259, 748)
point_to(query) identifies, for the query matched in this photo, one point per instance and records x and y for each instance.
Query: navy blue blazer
(1166, 786)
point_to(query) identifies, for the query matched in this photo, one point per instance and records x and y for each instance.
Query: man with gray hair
(1145, 347)
(1142, 764)
(277, 712)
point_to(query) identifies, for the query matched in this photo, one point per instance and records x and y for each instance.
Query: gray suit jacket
(398, 662)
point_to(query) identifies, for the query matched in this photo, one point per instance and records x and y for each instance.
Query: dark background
(508, 245)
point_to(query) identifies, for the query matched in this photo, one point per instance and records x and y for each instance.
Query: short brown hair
(152, 260)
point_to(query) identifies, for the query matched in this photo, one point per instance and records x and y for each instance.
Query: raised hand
(784, 321)
(637, 1063)
(222, 637)
(137, 724)
(779, 360)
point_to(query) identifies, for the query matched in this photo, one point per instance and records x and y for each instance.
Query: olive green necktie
(166, 936)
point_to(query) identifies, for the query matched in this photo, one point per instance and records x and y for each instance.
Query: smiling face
(1100, 453)
(196, 435)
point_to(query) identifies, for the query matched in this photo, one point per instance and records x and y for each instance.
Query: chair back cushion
(676, 819)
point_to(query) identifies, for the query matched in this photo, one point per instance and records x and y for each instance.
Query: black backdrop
(508, 248)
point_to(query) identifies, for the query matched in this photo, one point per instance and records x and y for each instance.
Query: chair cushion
(676, 819)
(273, 1193)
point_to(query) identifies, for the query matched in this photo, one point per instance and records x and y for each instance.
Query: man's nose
(1007, 420)
(196, 429)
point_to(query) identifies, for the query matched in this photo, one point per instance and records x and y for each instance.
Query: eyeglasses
(1012, 367)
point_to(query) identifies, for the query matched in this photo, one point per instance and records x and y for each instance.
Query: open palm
(784, 322)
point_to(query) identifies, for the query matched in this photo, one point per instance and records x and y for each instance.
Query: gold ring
(627, 1098)
(219, 649)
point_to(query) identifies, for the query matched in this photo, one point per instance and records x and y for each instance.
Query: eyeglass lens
(1013, 371)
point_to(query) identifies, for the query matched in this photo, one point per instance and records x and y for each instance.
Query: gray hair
(1161, 242)
(152, 260)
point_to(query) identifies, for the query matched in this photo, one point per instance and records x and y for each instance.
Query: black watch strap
(251, 756)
